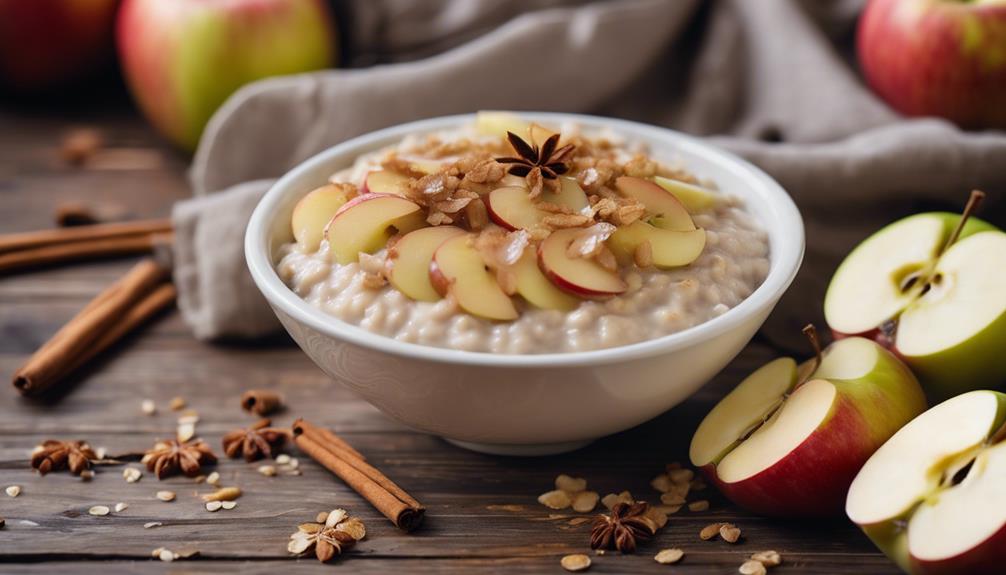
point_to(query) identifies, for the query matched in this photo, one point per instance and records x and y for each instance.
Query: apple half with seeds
(313, 212)
(933, 498)
(365, 223)
(411, 257)
(789, 439)
(458, 269)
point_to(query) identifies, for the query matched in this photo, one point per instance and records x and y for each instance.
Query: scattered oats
(99, 510)
(166, 555)
(120, 507)
(152, 524)
(668, 556)
(166, 495)
(214, 505)
(730, 532)
(282, 459)
(700, 505)
(577, 562)
(223, 494)
(354, 527)
(672, 498)
(177, 403)
(322, 517)
(228, 504)
(579, 521)
(335, 517)
(585, 501)
(556, 499)
(267, 470)
(571, 484)
(148, 407)
(213, 478)
(710, 531)
(767, 558)
(13, 490)
(132, 474)
(752, 567)
(186, 431)
(681, 475)
(86, 475)
(662, 483)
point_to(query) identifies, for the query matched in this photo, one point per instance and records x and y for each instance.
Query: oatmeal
(537, 243)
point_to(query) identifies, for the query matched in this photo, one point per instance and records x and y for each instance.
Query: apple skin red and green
(183, 58)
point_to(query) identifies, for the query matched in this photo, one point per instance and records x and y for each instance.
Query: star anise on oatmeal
(255, 442)
(171, 456)
(547, 160)
(55, 455)
(621, 530)
(330, 538)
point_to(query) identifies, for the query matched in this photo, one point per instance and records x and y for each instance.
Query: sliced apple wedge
(662, 208)
(533, 286)
(511, 208)
(578, 276)
(411, 257)
(669, 248)
(386, 182)
(695, 198)
(497, 123)
(458, 268)
(365, 223)
(788, 440)
(933, 497)
(569, 195)
(313, 212)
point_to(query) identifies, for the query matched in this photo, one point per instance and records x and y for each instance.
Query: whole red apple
(183, 58)
(45, 43)
(938, 58)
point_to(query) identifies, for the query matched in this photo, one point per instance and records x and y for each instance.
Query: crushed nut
(214, 505)
(668, 556)
(710, 531)
(152, 524)
(148, 407)
(643, 256)
(87, 475)
(658, 517)
(177, 403)
(672, 498)
(99, 510)
(282, 459)
(166, 495)
(575, 562)
(267, 470)
(228, 504)
(223, 494)
(120, 507)
(767, 558)
(700, 505)
(555, 499)
(570, 484)
(612, 499)
(661, 483)
(681, 475)
(752, 567)
(131, 474)
(13, 490)
(585, 501)
(214, 478)
(730, 532)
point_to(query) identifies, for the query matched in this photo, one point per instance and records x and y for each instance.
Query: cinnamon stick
(79, 250)
(24, 240)
(90, 327)
(333, 453)
(261, 401)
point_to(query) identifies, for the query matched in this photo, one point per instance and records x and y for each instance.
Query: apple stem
(811, 332)
(974, 200)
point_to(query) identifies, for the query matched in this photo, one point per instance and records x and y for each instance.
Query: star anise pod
(547, 159)
(171, 456)
(621, 530)
(255, 442)
(55, 455)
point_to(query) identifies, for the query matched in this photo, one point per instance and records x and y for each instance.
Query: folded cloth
(770, 80)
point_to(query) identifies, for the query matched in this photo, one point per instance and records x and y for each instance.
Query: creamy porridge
(580, 253)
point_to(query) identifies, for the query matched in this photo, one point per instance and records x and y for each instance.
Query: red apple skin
(988, 558)
(47, 43)
(441, 284)
(937, 58)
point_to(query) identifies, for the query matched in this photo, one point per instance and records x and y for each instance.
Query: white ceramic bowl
(527, 404)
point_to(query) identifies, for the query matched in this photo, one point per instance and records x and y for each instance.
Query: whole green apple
(183, 58)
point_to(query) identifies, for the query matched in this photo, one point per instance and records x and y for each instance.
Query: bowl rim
(785, 259)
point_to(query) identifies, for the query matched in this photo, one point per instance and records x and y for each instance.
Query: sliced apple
(411, 257)
(426, 166)
(511, 207)
(933, 497)
(533, 286)
(496, 123)
(313, 212)
(386, 182)
(569, 194)
(578, 276)
(458, 268)
(669, 248)
(695, 198)
(365, 223)
(662, 208)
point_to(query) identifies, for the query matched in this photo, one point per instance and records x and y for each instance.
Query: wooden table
(482, 511)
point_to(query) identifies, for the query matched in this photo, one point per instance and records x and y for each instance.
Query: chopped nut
(730, 532)
(671, 498)
(585, 501)
(199, 479)
(668, 509)
(87, 475)
(282, 459)
(152, 524)
(579, 521)
(752, 567)
(131, 474)
(148, 407)
(700, 505)
(767, 558)
(710, 531)
(556, 499)
(643, 256)
(214, 478)
(322, 517)
(166, 495)
(120, 507)
(267, 470)
(214, 505)
(186, 431)
(166, 555)
(13, 490)
(697, 484)
(570, 484)
(661, 483)
(577, 562)
(228, 504)
(612, 499)
(354, 527)
(177, 403)
(335, 517)
(681, 475)
(668, 556)
(99, 510)
(223, 494)
(658, 517)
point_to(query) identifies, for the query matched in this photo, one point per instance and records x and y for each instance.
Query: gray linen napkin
(770, 79)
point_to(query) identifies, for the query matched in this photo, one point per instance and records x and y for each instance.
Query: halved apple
(788, 440)
(533, 286)
(669, 248)
(663, 210)
(511, 207)
(458, 268)
(411, 257)
(694, 198)
(569, 194)
(313, 212)
(933, 497)
(386, 182)
(579, 276)
(365, 223)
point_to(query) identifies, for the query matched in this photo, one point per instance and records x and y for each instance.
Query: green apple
(933, 498)
(695, 198)
(942, 309)
(789, 439)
